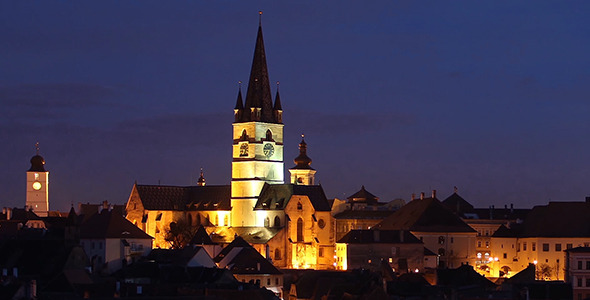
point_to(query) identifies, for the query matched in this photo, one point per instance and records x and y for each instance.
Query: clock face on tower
(268, 150)
(36, 185)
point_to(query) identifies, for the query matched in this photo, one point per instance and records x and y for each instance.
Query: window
(487, 244)
(322, 223)
(321, 252)
(534, 246)
(268, 135)
(266, 222)
(478, 244)
(518, 247)
(452, 240)
(277, 222)
(268, 281)
(277, 254)
(99, 245)
(299, 206)
(276, 281)
(441, 239)
(569, 246)
(505, 255)
(579, 281)
(523, 246)
(557, 247)
(579, 265)
(587, 282)
(545, 247)
(441, 251)
(92, 245)
(588, 265)
(300, 230)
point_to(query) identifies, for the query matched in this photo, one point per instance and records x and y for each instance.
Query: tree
(544, 271)
(179, 233)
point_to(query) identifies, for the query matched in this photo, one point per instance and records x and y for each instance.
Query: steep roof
(109, 225)
(276, 196)
(201, 237)
(237, 242)
(558, 219)
(208, 197)
(504, 231)
(424, 215)
(457, 204)
(379, 236)
(247, 260)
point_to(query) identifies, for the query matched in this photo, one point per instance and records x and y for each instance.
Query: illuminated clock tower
(38, 186)
(257, 142)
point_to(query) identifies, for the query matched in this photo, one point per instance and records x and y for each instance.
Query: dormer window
(299, 206)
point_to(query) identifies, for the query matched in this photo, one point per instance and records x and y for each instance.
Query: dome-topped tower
(201, 180)
(302, 173)
(38, 185)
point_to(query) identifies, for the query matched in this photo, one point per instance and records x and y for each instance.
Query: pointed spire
(278, 100)
(239, 102)
(258, 96)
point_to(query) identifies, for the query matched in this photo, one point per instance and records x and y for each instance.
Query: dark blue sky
(403, 97)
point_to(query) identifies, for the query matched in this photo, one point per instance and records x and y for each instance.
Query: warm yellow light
(416, 271)
(535, 262)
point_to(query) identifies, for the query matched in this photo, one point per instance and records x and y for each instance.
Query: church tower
(302, 173)
(38, 186)
(257, 141)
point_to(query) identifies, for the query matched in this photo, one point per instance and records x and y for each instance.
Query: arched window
(277, 254)
(216, 219)
(299, 206)
(226, 220)
(266, 222)
(244, 136)
(277, 221)
(300, 230)
(268, 135)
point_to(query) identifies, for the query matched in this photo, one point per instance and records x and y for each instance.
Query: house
(577, 271)
(247, 265)
(546, 232)
(441, 231)
(111, 241)
(366, 249)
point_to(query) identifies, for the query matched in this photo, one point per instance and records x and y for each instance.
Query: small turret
(302, 173)
(201, 180)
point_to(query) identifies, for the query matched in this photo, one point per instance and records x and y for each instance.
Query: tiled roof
(579, 250)
(106, 225)
(179, 257)
(379, 236)
(504, 231)
(237, 242)
(424, 215)
(558, 219)
(276, 196)
(209, 197)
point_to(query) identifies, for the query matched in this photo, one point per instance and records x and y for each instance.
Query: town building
(577, 271)
(38, 186)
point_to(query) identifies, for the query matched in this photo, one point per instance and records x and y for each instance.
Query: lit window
(545, 247)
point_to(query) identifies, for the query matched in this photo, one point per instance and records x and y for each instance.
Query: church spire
(239, 109)
(302, 172)
(278, 109)
(258, 96)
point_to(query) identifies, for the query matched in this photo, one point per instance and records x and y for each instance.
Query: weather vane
(37, 147)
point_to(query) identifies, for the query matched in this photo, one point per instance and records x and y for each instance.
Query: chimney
(8, 213)
(105, 204)
(422, 196)
(491, 212)
(433, 193)
(267, 252)
(376, 235)
(511, 208)
(413, 196)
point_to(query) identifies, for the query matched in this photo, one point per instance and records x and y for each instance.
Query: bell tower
(38, 185)
(302, 173)
(257, 141)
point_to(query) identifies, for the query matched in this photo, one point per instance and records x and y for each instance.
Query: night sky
(402, 97)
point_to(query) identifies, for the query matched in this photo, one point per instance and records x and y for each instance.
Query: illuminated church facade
(288, 223)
